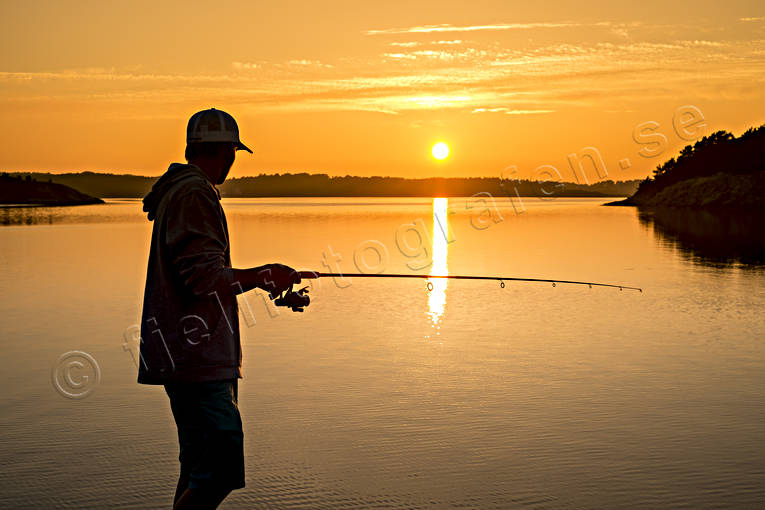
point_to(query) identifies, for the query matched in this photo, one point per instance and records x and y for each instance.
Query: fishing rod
(297, 300)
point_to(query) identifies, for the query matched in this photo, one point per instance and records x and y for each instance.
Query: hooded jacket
(189, 322)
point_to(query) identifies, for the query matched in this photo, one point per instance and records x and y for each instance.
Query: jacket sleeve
(197, 242)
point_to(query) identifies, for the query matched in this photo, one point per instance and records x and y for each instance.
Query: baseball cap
(214, 126)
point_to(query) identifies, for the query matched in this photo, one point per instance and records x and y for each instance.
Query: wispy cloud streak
(427, 29)
(476, 78)
(508, 111)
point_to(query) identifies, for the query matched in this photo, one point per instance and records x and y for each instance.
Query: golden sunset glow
(437, 296)
(356, 91)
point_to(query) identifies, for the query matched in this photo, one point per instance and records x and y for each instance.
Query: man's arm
(197, 242)
(273, 278)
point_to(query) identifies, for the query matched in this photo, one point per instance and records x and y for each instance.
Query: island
(27, 191)
(719, 171)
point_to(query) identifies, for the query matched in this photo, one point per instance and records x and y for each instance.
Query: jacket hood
(176, 173)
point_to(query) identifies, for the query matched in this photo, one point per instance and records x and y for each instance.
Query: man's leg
(181, 407)
(201, 499)
(210, 437)
(183, 484)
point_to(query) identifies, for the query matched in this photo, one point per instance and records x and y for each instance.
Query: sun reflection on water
(437, 296)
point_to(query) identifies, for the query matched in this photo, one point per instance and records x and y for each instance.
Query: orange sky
(366, 88)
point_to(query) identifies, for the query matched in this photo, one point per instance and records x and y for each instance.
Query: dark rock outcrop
(27, 191)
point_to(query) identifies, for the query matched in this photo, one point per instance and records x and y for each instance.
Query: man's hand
(277, 278)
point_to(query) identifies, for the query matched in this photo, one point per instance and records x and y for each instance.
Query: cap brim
(242, 147)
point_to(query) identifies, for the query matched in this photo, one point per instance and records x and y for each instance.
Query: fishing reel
(295, 300)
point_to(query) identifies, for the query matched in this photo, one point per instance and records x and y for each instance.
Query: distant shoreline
(288, 185)
(107, 200)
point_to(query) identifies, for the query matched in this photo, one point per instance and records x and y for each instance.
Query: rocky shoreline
(716, 191)
(27, 192)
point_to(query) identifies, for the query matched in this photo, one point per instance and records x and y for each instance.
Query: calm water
(385, 394)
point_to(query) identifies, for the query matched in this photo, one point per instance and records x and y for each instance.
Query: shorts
(209, 433)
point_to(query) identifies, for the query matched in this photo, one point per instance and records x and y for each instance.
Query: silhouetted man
(190, 327)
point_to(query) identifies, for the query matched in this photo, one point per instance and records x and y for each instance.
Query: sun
(440, 150)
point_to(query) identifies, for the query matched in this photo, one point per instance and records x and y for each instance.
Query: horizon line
(81, 172)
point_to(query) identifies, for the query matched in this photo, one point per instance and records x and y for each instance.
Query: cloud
(426, 29)
(438, 101)
(245, 65)
(413, 44)
(443, 55)
(478, 78)
(97, 75)
(489, 110)
(527, 112)
(400, 56)
(508, 111)
(760, 18)
(308, 63)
